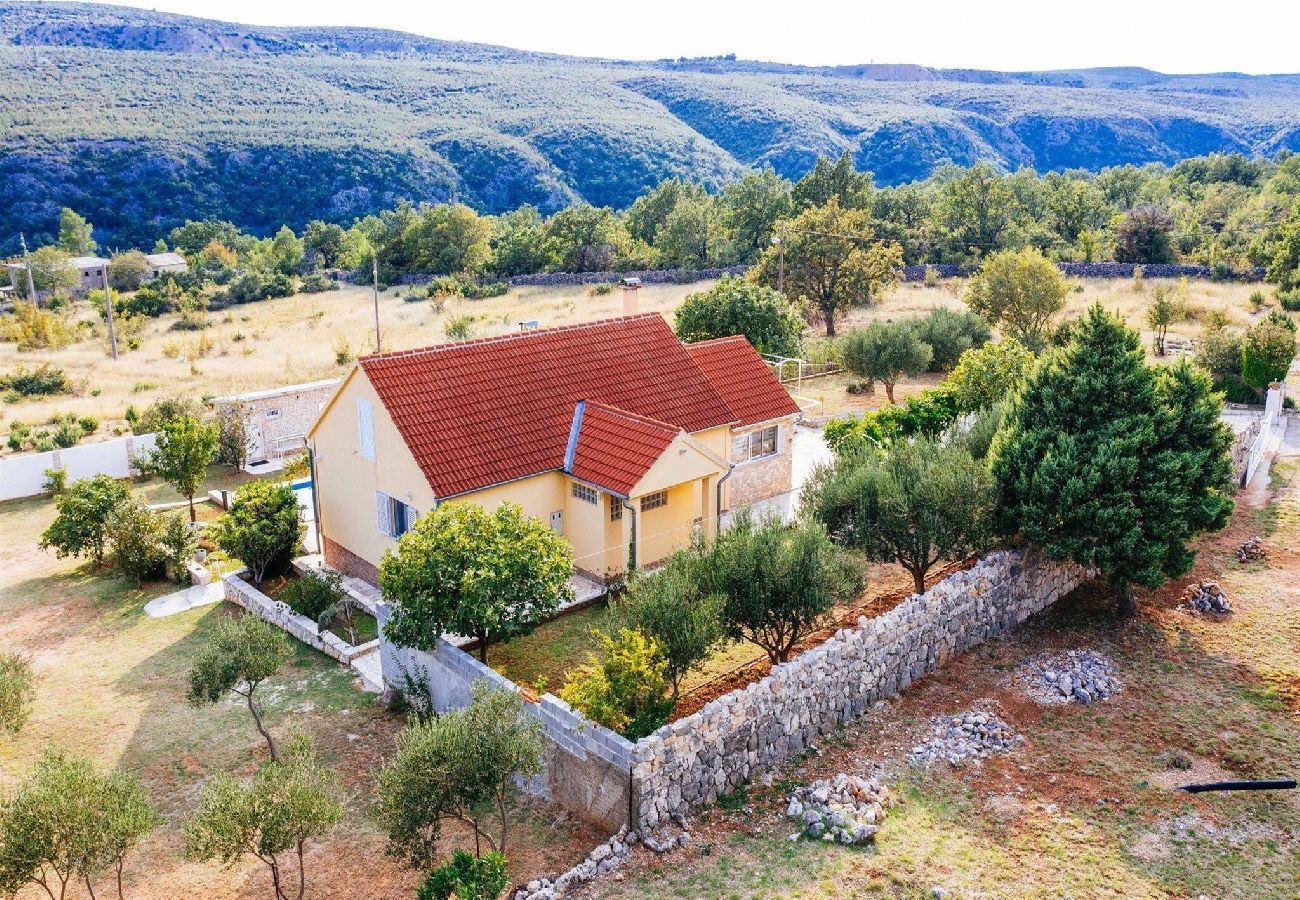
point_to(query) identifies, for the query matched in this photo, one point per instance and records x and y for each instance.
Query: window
(366, 428)
(393, 517)
(654, 501)
(759, 444)
(586, 494)
(273, 414)
(615, 509)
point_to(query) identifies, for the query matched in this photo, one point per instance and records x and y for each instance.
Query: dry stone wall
(695, 760)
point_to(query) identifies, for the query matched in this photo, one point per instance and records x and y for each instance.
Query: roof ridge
(717, 340)
(636, 417)
(504, 338)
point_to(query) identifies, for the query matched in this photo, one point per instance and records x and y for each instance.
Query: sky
(1253, 36)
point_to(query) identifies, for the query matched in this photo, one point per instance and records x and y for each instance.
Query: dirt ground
(1086, 807)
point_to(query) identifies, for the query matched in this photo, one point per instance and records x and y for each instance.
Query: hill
(140, 120)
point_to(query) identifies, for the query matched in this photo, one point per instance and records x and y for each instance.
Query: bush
(262, 529)
(19, 433)
(1219, 353)
(735, 306)
(627, 689)
(991, 373)
(313, 593)
(68, 434)
(1267, 353)
(127, 271)
(43, 381)
(466, 878)
(316, 283)
(950, 333)
(16, 691)
(459, 327)
(1289, 302)
(928, 415)
(475, 291)
(32, 328)
(134, 535)
(1256, 299)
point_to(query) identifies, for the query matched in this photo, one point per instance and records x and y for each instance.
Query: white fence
(24, 476)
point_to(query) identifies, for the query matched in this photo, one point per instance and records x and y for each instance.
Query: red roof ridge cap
(502, 338)
(718, 340)
(636, 417)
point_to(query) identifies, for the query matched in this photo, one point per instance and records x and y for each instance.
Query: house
(276, 421)
(616, 434)
(90, 272)
(165, 262)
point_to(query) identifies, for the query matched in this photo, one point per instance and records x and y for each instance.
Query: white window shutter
(366, 425)
(383, 513)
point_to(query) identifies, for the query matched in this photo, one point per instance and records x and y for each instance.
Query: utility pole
(27, 262)
(374, 271)
(108, 310)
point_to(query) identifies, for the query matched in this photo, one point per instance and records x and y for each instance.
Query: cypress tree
(1112, 462)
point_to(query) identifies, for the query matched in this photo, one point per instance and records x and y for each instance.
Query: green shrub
(930, 414)
(466, 878)
(316, 283)
(475, 291)
(446, 286)
(19, 434)
(56, 480)
(950, 333)
(43, 381)
(1289, 302)
(68, 434)
(1257, 299)
(313, 593)
(626, 690)
(89, 424)
(43, 442)
(600, 289)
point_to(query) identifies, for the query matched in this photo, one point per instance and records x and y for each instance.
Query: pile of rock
(1251, 549)
(846, 809)
(963, 737)
(1205, 597)
(604, 859)
(1080, 676)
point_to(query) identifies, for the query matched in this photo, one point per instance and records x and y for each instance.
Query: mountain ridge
(198, 113)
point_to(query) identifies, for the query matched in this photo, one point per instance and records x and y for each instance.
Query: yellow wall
(347, 484)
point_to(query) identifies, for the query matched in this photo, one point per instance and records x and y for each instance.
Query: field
(298, 339)
(111, 684)
(1086, 807)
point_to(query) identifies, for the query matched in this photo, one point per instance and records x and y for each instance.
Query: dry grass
(292, 340)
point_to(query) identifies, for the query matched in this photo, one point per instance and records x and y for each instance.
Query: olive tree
(238, 656)
(1266, 353)
(463, 765)
(82, 513)
(669, 606)
(883, 351)
(16, 691)
(778, 583)
(135, 540)
(913, 503)
(68, 823)
(462, 569)
(289, 802)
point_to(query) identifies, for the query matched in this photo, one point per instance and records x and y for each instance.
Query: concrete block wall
(587, 768)
(243, 593)
(693, 761)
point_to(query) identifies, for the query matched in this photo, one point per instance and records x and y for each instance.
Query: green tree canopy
(134, 535)
(668, 607)
(777, 583)
(1144, 234)
(736, 306)
(751, 207)
(16, 691)
(1020, 290)
(883, 351)
(461, 765)
(68, 823)
(1266, 353)
(262, 528)
(950, 333)
(914, 503)
(128, 270)
(462, 569)
(238, 656)
(290, 802)
(184, 447)
(1112, 463)
(82, 513)
(832, 259)
(989, 374)
(833, 180)
(75, 234)
(624, 689)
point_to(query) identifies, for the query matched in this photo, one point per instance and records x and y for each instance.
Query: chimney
(630, 287)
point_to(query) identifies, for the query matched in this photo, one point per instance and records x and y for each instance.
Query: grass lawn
(111, 683)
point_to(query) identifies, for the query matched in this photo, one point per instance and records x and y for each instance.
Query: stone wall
(587, 767)
(759, 479)
(695, 760)
(242, 593)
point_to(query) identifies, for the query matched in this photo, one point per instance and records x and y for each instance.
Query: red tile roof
(743, 379)
(613, 448)
(483, 412)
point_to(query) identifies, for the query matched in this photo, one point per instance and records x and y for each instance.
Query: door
(557, 522)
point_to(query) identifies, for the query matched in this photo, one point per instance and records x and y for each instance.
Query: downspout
(315, 498)
(631, 547)
(731, 467)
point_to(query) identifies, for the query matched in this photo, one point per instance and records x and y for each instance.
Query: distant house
(165, 262)
(276, 420)
(90, 272)
(616, 434)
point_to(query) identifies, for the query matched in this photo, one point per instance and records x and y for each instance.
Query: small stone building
(276, 421)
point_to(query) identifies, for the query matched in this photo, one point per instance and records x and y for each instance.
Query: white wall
(24, 476)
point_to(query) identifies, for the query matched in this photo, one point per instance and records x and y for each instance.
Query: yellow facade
(347, 482)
